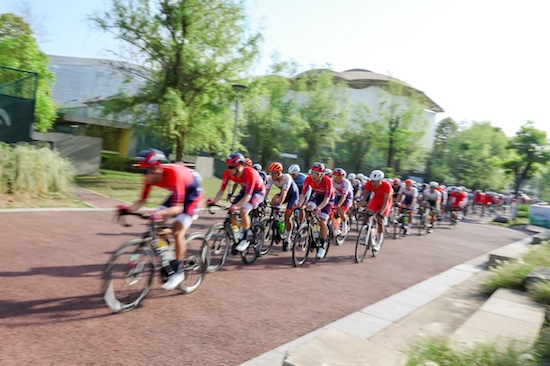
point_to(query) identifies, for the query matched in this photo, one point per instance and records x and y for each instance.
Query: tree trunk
(179, 148)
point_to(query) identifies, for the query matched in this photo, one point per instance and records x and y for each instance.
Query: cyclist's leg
(254, 202)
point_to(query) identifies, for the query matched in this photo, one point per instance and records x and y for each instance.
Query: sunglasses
(231, 167)
(316, 174)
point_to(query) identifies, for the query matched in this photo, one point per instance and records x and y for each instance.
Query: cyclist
(406, 197)
(183, 203)
(294, 171)
(343, 196)
(259, 168)
(380, 203)
(432, 197)
(321, 200)
(250, 197)
(459, 199)
(289, 194)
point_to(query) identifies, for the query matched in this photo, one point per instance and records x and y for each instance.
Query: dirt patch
(11, 201)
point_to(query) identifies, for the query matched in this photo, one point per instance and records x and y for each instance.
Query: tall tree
(360, 136)
(405, 126)
(323, 110)
(19, 50)
(475, 156)
(531, 151)
(192, 51)
(436, 166)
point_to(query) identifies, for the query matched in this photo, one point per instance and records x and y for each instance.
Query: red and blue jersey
(251, 181)
(323, 188)
(178, 179)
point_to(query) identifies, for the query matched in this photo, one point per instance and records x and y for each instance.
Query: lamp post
(238, 88)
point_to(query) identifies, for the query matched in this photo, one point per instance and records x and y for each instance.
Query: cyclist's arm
(282, 195)
(386, 202)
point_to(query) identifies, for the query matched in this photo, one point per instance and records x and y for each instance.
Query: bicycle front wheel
(219, 244)
(270, 235)
(197, 262)
(128, 275)
(363, 243)
(300, 250)
(256, 237)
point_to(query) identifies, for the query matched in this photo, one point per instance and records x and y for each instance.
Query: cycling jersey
(377, 198)
(250, 180)
(180, 180)
(299, 180)
(323, 188)
(343, 189)
(285, 182)
(409, 193)
(430, 195)
(459, 199)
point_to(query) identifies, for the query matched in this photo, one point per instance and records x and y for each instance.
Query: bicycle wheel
(256, 237)
(359, 220)
(219, 244)
(128, 275)
(197, 262)
(362, 244)
(270, 235)
(374, 234)
(395, 227)
(340, 238)
(421, 224)
(300, 249)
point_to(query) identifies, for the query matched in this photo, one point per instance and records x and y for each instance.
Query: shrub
(509, 275)
(113, 162)
(34, 170)
(523, 208)
(540, 292)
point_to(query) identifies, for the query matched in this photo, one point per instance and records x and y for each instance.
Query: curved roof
(361, 79)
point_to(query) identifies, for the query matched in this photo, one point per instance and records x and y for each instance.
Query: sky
(480, 60)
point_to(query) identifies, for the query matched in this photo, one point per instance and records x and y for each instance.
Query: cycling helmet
(247, 162)
(434, 184)
(148, 158)
(339, 172)
(396, 181)
(294, 168)
(328, 172)
(408, 182)
(377, 175)
(318, 167)
(352, 176)
(360, 176)
(235, 159)
(258, 167)
(275, 167)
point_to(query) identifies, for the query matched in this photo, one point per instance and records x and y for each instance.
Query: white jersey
(284, 182)
(342, 189)
(413, 192)
(432, 196)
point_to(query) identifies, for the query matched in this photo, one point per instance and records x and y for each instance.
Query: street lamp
(238, 88)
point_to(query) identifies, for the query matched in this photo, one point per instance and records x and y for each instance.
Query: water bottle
(405, 220)
(316, 231)
(165, 252)
(236, 232)
(281, 226)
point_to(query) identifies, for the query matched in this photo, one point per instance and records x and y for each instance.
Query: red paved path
(52, 312)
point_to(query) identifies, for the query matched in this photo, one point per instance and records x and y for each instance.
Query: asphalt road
(52, 311)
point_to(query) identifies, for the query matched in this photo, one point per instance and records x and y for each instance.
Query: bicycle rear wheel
(363, 243)
(219, 244)
(256, 237)
(300, 249)
(128, 275)
(270, 235)
(197, 262)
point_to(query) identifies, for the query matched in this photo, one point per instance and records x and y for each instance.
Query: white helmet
(351, 176)
(360, 176)
(377, 175)
(294, 168)
(328, 172)
(434, 184)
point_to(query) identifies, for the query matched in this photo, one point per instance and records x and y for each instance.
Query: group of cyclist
(320, 192)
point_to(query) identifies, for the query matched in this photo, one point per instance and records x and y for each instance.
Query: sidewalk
(445, 304)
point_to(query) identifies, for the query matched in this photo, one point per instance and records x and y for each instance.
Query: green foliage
(440, 351)
(530, 152)
(522, 207)
(542, 347)
(540, 292)
(509, 275)
(192, 51)
(33, 171)
(113, 162)
(321, 113)
(19, 50)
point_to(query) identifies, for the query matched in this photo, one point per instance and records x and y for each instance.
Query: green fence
(17, 103)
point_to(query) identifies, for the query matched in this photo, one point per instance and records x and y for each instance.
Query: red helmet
(396, 181)
(409, 182)
(149, 158)
(339, 172)
(235, 159)
(275, 167)
(318, 167)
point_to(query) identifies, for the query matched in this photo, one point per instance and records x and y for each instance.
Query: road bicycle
(274, 229)
(367, 237)
(337, 227)
(356, 215)
(422, 214)
(128, 276)
(221, 239)
(400, 221)
(307, 239)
